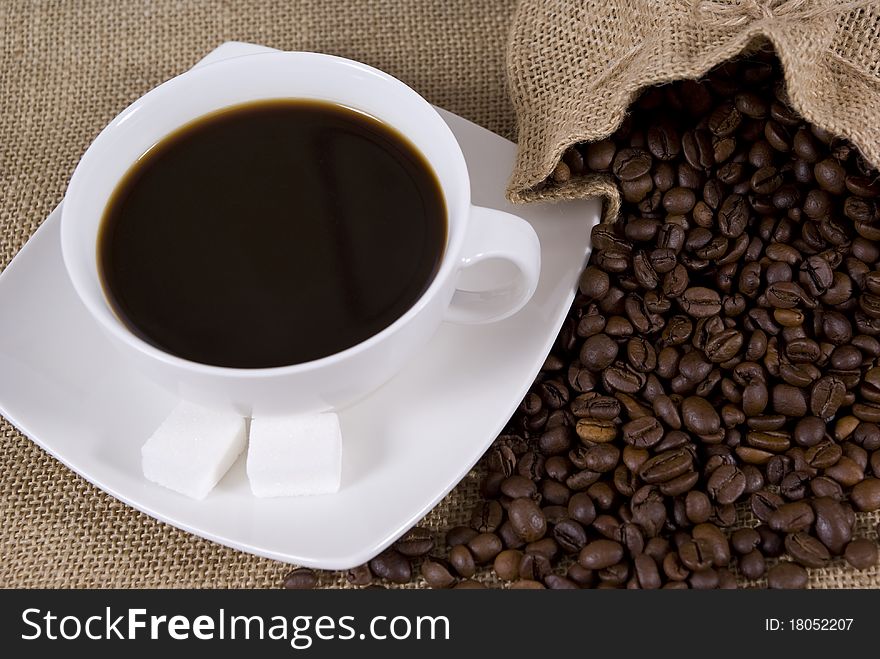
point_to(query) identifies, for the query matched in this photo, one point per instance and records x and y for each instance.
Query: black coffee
(272, 233)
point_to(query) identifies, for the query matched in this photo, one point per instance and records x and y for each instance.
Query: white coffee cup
(475, 235)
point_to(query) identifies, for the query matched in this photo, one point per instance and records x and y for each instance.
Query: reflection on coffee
(272, 233)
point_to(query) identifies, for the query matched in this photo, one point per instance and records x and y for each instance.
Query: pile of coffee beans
(711, 406)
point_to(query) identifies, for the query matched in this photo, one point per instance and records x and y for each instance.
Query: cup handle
(495, 235)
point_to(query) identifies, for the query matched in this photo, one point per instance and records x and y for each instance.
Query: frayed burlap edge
(582, 187)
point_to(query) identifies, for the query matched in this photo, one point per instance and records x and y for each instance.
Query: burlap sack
(574, 66)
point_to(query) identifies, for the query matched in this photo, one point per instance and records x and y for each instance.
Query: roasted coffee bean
(609, 527)
(846, 472)
(596, 430)
(621, 378)
(486, 546)
(530, 465)
(581, 508)
(502, 458)
(507, 563)
(715, 542)
(600, 554)
(618, 327)
(644, 271)
(866, 495)
(695, 555)
(663, 141)
(707, 579)
(392, 565)
(699, 416)
(486, 517)
(724, 345)
(785, 575)
(680, 484)
(726, 484)
(788, 400)
(667, 411)
(724, 120)
(666, 466)
(766, 180)
(794, 486)
(798, 374)
(806, 550)
(527, 519)
(745, 540)
(764, 503)
(816, 275)
(629, 164)
(752, 565)
(437, 573)
(754, 398)
(462, 561)
(301, 579)
(509, 537)
(823, 455)
(570, 535)
(553, 513)
(809, 431)
(823, 486)
(697, 148)
(771, 542)
(594, 283)
(556, 582)
(418, 541)
(752, 105)
(515, 487)
(641, 355)
(555, 440)
(557, 467)
(785, 295)
(694, 366)
(601, 458)
(646, 572)
(830, 175)
(861, 553)
(359, 575)
(643, 433)
(673, 568)
(832, 525)
(596, 406)
(765, 436)
(599, 155)
(777, 135)
(700, 302)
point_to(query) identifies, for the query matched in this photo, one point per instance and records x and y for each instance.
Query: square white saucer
(405, 446)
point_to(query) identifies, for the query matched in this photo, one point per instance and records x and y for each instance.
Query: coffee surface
(272, 233)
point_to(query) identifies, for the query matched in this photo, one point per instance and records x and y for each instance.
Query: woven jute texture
(575, 66)
(66, 68)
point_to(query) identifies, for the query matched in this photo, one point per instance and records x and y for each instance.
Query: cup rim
(102, 310)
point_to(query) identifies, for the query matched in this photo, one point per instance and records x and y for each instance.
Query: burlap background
(66, 68)
(596, 55)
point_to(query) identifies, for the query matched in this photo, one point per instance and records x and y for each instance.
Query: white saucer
(405, 446)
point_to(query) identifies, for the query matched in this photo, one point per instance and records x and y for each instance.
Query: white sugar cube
(295, 455)
(193, 448)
